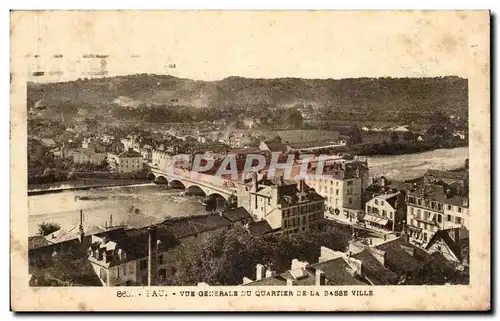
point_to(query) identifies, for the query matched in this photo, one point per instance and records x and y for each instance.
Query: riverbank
(82, 184)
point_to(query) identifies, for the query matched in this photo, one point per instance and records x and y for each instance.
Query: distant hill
(362, 96)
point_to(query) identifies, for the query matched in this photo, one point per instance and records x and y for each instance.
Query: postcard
(250, 161)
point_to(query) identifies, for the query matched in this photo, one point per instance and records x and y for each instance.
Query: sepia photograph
(310, 156)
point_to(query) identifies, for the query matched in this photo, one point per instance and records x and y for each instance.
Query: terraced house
(441, 203)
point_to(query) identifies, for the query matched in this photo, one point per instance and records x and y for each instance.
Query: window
(425, 237)
(418, 213)
(459, 209)
(419, 201)
(384, 213)
(160, 259)
(349, 200)
(376, 202)
(381, 202)
(331, 182)
(440, 206)
(336, 192)
(390, 215)
(286, 223)
(349, 191)
(449, 218)
(439, 218)
(449, 207)
(336, 183)
(303, 220)
(411, 210)
(143, 265)
(368, 209)
(458, 220)
(349, 183)
(433, 205)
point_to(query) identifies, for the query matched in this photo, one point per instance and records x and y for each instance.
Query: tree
(45, 229)
(292, 118)
(394, 137)
(355, 135)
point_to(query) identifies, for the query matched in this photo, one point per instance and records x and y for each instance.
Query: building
(85, 156)
(441, 203)
(48, 142)
(453, 244)
(126, 162)
(60, 264)
(386, 211)
(141, 256)
(287, 206)
(398, 262)
(311, 147)
(342, 184)
(336, 270)
(272, 146)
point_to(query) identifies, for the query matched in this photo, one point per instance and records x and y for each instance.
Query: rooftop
(129, 153)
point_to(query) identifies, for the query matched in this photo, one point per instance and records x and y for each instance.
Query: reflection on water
(153, 204)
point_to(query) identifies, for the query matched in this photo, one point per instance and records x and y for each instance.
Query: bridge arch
(161, 180)
(177, 184)
(195, 190)
(218, 195)
(151, 176)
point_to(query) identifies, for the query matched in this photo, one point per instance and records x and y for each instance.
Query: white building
(342, 185)
(127, 162)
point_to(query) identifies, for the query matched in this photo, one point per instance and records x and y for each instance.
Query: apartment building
(439, 204)
(342, 185)
(128, 161)
(386, 211)
(287, 206)
(85, 155)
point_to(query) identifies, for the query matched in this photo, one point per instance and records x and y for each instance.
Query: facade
(440, 204)
(85, 155)
(342, 185)
(288, 207)
(453, 244)
(386, 211)
(126, 162)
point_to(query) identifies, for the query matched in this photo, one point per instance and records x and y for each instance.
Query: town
(343, 227)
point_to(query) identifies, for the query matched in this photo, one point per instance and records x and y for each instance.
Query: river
(409, 166)
(155, 203)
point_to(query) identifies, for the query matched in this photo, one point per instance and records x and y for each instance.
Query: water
(409, 166)
(155, 202)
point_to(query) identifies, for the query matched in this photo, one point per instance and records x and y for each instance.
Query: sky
(262, 44)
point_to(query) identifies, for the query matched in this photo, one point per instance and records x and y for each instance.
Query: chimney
(259, 272)
(301, 185)
(456, 235)
(110, 220)
(82, 233)
(269, 273)
(383, 181)
(320, 277)
(152, 258)
(289, 282)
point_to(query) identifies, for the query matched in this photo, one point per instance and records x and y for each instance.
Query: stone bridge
(195, 183)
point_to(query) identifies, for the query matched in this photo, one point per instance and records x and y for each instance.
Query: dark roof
(275, 146)
(129, 153)
(259, 228)
(61, 264)
(236, 214)
(457, 240)
(193, 225)
(273, 280)
(336, 273)
(403, 256)
(438, 193)
(37, 241)
(374, 270)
